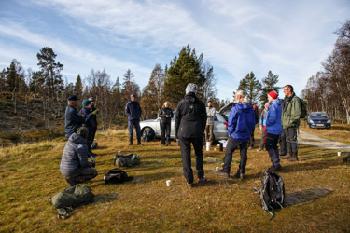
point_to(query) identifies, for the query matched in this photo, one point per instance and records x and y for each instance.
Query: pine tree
(15, 77)
(129, 86)
(152, 93)
(251, 87)
(51, 71)
(185, 69)
(3, 80)
(268, 84)
(78, 89)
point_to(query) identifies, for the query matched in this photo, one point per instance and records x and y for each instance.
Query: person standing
(291, 115)
(190, 119)
(209, 127)
(274, 129)
(133, 111)
(89, 116)
(262, 126)
(252, 138)
(93, 120)
(72, 120)
(165, 114)
(241, 123)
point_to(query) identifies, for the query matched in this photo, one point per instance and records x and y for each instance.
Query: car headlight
(311, 121)
(329, 121)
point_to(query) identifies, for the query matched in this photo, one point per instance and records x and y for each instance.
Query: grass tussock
(30, 175)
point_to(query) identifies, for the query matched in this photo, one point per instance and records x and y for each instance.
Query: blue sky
(291, 38)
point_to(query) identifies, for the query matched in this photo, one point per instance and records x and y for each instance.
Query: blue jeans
(131, 125)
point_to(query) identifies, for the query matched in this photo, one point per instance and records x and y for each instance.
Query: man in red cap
(274, 129)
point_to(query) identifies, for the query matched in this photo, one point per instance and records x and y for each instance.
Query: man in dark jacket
(89, 120)
(290, 121)
(133, 111)
(165, 114)
(241, 123)
(72, 120)
(93, 119)
(75, 165)
(190, 119)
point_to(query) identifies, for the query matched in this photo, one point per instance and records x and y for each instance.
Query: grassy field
(30, 176)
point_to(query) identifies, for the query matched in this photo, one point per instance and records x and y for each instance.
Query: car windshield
(318, 114)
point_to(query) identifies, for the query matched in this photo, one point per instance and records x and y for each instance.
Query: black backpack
(116, 176)
(272, 192)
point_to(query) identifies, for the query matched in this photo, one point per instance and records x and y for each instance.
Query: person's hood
(190, 97)
(276, 102)
(77, 139)
(244, 107)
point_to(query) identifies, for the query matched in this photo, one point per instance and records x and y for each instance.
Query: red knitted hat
(273, 94)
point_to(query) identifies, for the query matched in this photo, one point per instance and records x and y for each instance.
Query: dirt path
(312, 139)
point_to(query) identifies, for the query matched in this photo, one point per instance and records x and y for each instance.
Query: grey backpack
(130, 160)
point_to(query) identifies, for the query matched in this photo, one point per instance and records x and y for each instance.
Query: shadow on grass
(102, 198)
(306, 195)
(311, 166)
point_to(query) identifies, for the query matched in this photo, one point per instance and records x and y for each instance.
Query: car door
(220, 127)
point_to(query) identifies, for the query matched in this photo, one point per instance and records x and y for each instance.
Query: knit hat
(273, 94)
(191, 87)
(86, 102)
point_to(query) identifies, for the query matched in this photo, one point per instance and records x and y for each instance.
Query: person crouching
(75, 165)
(274, 129)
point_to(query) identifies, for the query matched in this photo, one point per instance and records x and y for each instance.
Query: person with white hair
(190, 120)
(241, 123)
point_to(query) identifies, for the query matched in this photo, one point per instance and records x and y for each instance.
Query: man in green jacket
(290, 121)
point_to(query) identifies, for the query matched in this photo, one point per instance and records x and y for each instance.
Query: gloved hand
(95, 112)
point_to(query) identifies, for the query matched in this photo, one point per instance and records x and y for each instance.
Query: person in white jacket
(209, 127)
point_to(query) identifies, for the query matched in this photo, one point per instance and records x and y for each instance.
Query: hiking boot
(239, 175)
(202, 181)
(223, 173)
(190, 185)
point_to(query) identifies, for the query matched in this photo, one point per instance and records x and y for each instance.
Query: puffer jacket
(190, 117)
(75, 155)
(241, 122)
(291, 112)
(273, 118)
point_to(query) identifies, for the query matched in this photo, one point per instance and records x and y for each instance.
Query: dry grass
(30, 175)
(338, 132)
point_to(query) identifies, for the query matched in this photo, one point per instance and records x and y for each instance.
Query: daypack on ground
(70, 198)
(116, 176)
(130, 160)
(272, 192)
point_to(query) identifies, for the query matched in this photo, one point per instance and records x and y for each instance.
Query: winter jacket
(274, 118)
(241, 122)
(75, 155)
(190, 117)
(133, 110)
(89, 119)
(291, 112)
(166, 114)
(263, 115)
(72, 121)
(211, 113)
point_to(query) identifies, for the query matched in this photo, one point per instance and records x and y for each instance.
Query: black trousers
(289, 142)
(82, 176)
(272, 148)
(165, 128)
(185, 145)
(252, 139)
(131, 125)
(231, 146)
(91, 136)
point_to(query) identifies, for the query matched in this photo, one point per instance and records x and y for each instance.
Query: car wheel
(147, 134)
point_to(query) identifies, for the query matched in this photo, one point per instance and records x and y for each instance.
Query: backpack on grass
(130, 160)
(272, 192)
(116, 176)
(70, 198)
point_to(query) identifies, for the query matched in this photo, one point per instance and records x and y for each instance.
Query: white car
(150, 129)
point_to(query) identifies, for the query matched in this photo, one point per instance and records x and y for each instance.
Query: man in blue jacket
(241, 123)
(72, 120)
(274, 129)
(133, 111)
